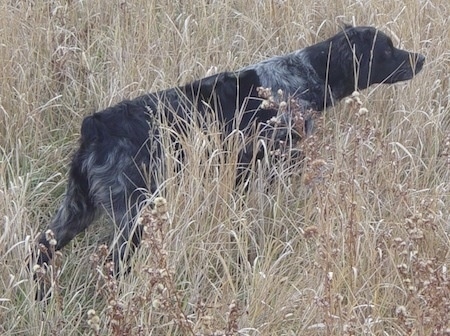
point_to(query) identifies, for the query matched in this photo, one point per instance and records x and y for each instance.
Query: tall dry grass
(354, 241)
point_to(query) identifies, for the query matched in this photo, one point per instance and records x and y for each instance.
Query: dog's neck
(296, 77)
(327, 58)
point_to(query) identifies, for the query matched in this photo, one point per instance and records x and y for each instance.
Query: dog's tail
(74, 215)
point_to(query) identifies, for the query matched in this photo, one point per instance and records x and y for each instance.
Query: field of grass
(354, 241)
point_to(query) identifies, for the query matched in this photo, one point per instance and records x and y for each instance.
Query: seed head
(160, 205)
(49, 235)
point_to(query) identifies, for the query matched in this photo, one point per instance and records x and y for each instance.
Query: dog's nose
(420, 59)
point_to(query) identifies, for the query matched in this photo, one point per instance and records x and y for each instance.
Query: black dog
(121, 144)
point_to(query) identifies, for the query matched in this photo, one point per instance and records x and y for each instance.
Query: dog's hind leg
(124, 212)
(123, 184)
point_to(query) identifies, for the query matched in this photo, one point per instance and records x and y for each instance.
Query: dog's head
(377, 60)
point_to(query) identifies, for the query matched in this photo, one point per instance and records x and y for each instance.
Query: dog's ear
(360, 34)
(345, 26)
(368, 33)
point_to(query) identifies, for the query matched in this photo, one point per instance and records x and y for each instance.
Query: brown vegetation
(355, 242)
